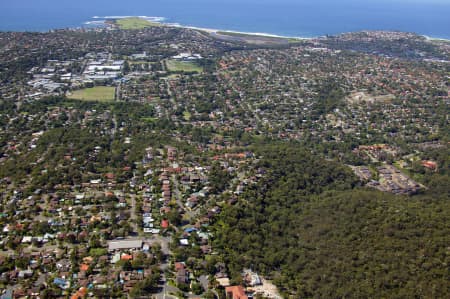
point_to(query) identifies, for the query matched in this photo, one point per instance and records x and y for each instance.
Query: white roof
(115, 258)
(124, 244)
(104, 67)
(27, 239)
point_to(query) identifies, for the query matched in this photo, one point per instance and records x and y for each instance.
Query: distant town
(120, 148)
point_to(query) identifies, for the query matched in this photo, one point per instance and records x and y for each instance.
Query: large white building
(124, 244)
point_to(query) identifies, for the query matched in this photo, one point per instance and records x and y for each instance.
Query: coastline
(438, 39)
(101, 20)
(161, 20)
(260, 34)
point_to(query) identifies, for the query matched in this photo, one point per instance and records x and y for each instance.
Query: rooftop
(124, 244)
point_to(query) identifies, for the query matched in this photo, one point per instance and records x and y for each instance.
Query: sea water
(298, 18)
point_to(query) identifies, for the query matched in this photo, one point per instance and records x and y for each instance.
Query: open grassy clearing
(186, 66)
(187, 115)
(135, 23)
(98, 93)
(149, 119)
(363, 97)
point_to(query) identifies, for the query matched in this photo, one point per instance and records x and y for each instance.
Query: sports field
(98, 93)
(186, 66)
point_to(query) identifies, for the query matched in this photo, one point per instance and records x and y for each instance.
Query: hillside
(353, 243)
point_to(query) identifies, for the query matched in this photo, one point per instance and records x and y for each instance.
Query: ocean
(297, 18)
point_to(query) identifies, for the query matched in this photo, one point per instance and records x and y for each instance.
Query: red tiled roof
(126, 257)
(84, 267)
(165, 223)
(236, 292)
(429, 164)
(109, 175)
(82, 292)
(179, 266)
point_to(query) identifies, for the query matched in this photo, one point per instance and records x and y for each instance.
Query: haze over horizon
(285, 17)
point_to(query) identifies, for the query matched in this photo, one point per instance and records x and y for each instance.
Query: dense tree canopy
(318, 242)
